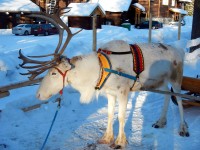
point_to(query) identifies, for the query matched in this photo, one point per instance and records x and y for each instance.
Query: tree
(190, 8)
(196, 23)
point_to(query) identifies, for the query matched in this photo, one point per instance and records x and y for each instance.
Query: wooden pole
(4, 94)
(26, 109)
(6, 88)
(174, 94)
(150, 27)
(179, 27)
(159, 8)
(149, 8)
(94, 26)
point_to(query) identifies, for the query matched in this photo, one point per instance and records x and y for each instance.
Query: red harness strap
(63, 75)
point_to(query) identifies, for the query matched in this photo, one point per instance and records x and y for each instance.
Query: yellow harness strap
(104, 63)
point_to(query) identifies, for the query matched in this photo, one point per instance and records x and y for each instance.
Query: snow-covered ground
(78, 126)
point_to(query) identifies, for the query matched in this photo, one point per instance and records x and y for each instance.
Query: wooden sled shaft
(19, 85)
(174, 94)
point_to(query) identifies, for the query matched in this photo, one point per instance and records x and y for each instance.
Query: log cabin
(116, 12)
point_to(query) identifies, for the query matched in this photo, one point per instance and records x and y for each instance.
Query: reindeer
(163, 64)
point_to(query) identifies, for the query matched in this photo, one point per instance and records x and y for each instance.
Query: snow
(78, 126)
(188, 1)
(139, 6)
(18, 5)
(178, 10)
(82, 9)
(114, 5)
(194, 42)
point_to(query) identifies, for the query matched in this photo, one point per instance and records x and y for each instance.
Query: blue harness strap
(121, 74)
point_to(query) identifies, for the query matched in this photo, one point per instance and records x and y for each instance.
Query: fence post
(94, 26)
(150, 27)
(179, 27)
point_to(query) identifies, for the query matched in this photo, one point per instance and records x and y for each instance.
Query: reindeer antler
(42, 66)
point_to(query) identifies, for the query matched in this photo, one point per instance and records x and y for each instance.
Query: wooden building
(116, 11)
(12, 14)
(80, 15)
(161, 10)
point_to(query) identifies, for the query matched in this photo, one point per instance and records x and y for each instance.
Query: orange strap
(104, 63)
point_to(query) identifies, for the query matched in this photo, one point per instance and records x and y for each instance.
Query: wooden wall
(156, 7)
(83, 22)
(113, 18)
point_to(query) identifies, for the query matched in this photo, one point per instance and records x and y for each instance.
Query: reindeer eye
(53, 73)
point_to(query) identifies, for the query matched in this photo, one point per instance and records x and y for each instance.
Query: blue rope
(121, 74)
(54, 118)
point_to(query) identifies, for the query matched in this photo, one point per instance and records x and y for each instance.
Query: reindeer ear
(75, 59)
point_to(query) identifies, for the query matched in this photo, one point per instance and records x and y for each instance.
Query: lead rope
(58, 107)
(54, 118)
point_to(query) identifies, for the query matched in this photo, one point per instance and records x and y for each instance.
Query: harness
(63, 75)
(106, 67)
(104, 63)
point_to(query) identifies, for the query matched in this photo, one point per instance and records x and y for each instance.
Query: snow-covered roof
(189, 1)
(139, 6)
(180, 11)
(83, 9)
(114, 5)
(18, 5)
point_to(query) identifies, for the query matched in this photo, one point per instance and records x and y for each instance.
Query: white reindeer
(162, 65)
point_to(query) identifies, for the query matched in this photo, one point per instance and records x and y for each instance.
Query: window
(173, 2)
(165, 2)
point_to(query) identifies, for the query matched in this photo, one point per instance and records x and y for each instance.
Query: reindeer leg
(183, 129)
(108, 136)
(162, 120)
(121, 138)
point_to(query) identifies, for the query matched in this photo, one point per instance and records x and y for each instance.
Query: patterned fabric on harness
(138, 59)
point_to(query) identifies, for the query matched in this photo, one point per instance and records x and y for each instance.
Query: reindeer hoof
(184, 130)
(103, 142)
(160, 123)
(187, 134)
(106, 139)
(155, 126)
(114, 146)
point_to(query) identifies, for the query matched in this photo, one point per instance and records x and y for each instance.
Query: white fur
(163, 65)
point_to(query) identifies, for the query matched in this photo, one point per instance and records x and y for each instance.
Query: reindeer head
(54, 80)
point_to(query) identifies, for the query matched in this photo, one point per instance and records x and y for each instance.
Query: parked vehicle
(44, 29)
(177, 22)
(22, 29)
(145, 25)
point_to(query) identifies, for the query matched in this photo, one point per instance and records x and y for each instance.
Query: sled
(190, 86)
